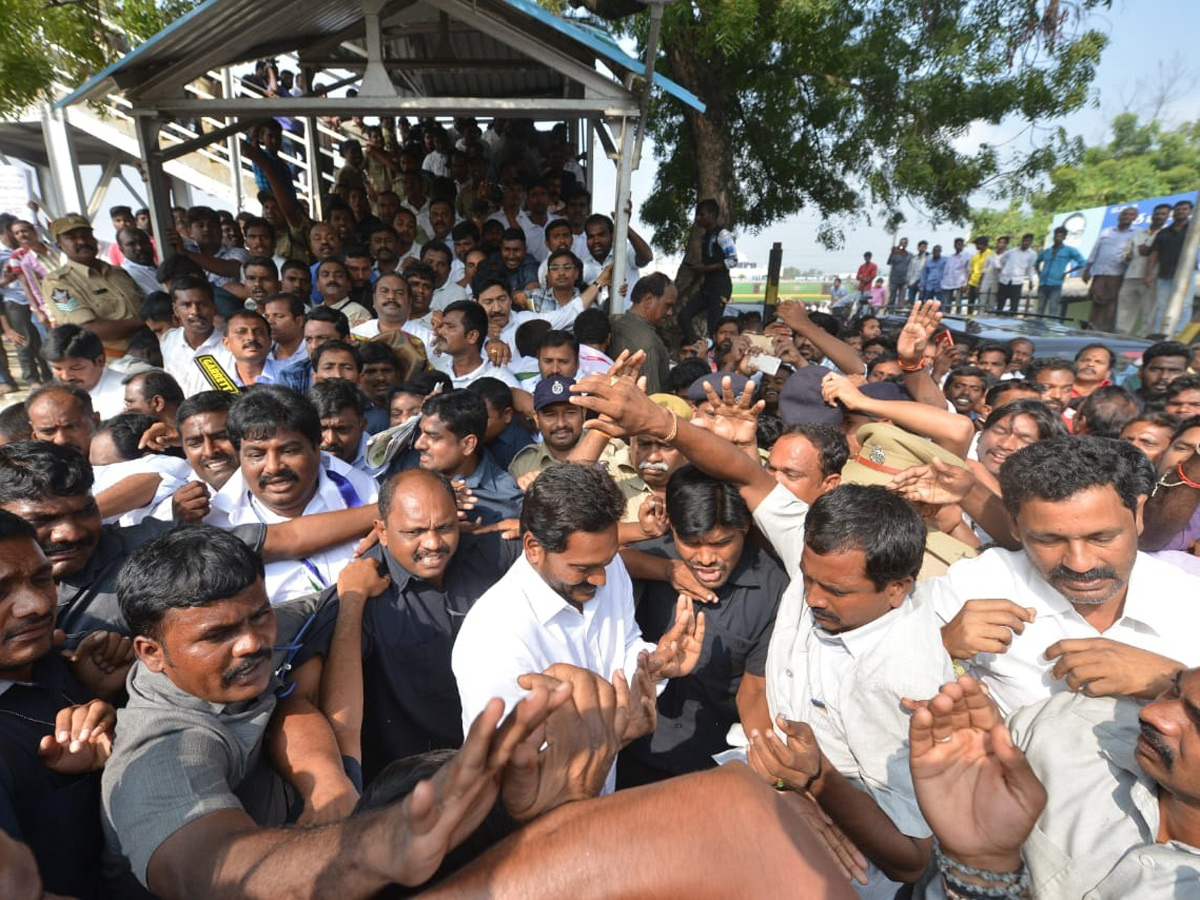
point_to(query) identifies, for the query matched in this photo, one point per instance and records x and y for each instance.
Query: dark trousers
(705, 299)
(33, 367)
(1010, 296)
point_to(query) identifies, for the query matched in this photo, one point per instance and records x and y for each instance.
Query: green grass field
(748, 291)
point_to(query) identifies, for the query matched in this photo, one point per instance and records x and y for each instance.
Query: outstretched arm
(843, 355)
(946, 429)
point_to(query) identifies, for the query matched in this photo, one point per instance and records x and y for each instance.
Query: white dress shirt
(180, 360)
(1110, 254)
(957, 266)
(593, 361)
(286, 579)
(448, 293)
(1137, 262)
(560, 319)
(593, 267)
(1160, 615)
(1017, 266)
(145, 277)
(108, 394)
(486, 369)
(173, 474)
(522, 625)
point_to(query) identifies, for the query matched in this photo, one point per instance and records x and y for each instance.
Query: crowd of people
(1129, 273)
(403, 552)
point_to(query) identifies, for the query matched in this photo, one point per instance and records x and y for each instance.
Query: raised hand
(975, 788)
(361, 579)
(836, 387)
(643, 700)
(582, 738)
(82, 739)
(624, 409)
(733, 418)
(679, 649)
(937, 483)
(923, 321)
(652, 517)
(984, 626)
(159, 437)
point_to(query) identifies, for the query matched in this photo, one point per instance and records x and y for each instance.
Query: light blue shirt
(1055, 263)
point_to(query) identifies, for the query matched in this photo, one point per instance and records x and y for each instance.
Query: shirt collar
(1140, 605)
(862, 640)
(544, 602)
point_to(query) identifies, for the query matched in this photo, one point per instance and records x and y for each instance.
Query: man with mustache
(342, 407)
(191, 801)
(561, 426)
(709, 521)
(195, 310)
(503, 322)
(399, 641)
(283, 476)
(1079, 608)
(412, 341)
(1109, 783)
(333, 280)
(247, 345)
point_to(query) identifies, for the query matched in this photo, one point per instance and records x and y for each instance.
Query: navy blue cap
(801, 401)
(696, 394)
(555, 389)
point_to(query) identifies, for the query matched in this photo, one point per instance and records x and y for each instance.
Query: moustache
(1062, 573)
(1154, 738)
(63, 547)
(660, 468)
(29, 625)
(284, 475)
(244, 667)
(422, 555)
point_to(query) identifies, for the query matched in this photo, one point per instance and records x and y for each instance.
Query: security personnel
(88, 291)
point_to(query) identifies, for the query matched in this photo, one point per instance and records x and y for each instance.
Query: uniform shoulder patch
(63, 300)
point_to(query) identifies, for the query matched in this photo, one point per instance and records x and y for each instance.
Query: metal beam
(98, 195)
(620, 248)
(209, 137)
(60, 156)
(550, 108)
(436, 65)
(158, 194)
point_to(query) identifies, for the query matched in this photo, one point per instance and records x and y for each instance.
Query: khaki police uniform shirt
(79, 294)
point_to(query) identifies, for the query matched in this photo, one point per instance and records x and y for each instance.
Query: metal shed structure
(486, 58)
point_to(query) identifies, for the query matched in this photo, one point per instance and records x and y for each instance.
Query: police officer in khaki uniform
(88, 291)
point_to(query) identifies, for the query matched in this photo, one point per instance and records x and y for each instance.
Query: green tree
(1142, 159)
(853, 106)
(790, 273)
(69, 41)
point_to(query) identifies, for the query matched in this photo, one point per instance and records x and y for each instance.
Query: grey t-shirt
(177, 758)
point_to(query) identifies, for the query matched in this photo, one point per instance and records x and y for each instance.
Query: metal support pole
(656, 14)
(233, 143)
(1179, 308)
(158, 195)
(64, 170)
(624, 161)
(97, 199)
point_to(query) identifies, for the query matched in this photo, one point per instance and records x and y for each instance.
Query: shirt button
(788, 672)
(1147, 861)
(680, 725)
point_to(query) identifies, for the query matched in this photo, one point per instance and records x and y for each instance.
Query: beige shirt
(79, 294)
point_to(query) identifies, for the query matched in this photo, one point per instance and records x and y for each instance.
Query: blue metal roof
(196, 32)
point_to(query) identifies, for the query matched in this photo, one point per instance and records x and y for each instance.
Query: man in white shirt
(192, 300)
(599, 231)
(76, 357)
(855, 646)
(392, 303)
(458, 346)
(915, 267)
(1017, 268)
(246, 348)
(438, 257)
(139, 259)
(1105, 268)
(1135, 302)
(283, 475)
(568, 599)
(954, 278)
(503, 321)
(1079, 608)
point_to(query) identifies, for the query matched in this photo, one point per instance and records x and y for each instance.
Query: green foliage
(1143, 159)
(67, 42)
(852, 106)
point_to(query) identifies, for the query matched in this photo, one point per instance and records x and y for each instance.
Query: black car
(1050, 337)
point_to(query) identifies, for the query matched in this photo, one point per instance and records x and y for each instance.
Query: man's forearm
(948, 430)
(722, 459)
(1168, 512)
(114, 329)
(900, 857)
(309, 534)
(226, 268)
(128, 494)
(341, 694)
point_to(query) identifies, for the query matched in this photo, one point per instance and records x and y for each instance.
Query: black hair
(494, 392)
(1165, 348)
(259, 412)
(565, 253)
(1112, 357)
(1048, 424)
(729, 320)
(422, 271)
(1181, 384)
(461, 411)
(885, 356)
(996, 347)
(373, 352)
(157, 383)
(72, 342)
(35, 470)
(203, 402)
(296, 307)
(176, 268)
(355, 251)
(388, 491)
(331, 261)
(592, 326)
(598, 219)
(201, 214)
(258, 222)
(289, 264)
(437, 247)
(826, 322)
(1060, 468)
(337, 347)
(1150, 417)
(1105, 411)
(473, 318)
(970, 372)
(767, 430)
(528, 336)
(698, 503)
(432, 380)
(243, 313)
(144, 344)
(569, 498)
(262, 262)
(190, 283)
(82, 397)
(555, 224)
(126, 430)
(1000, 388)
(119, 210)
(14, 424)
(335, 317)
(1049, 364)
(872, 519)
(652, 285)
(684, 375)
(463, 230)
(829, 440)
(333, 395)
(15, 527)
(189, 566)
(513, 234)
(157, 307)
